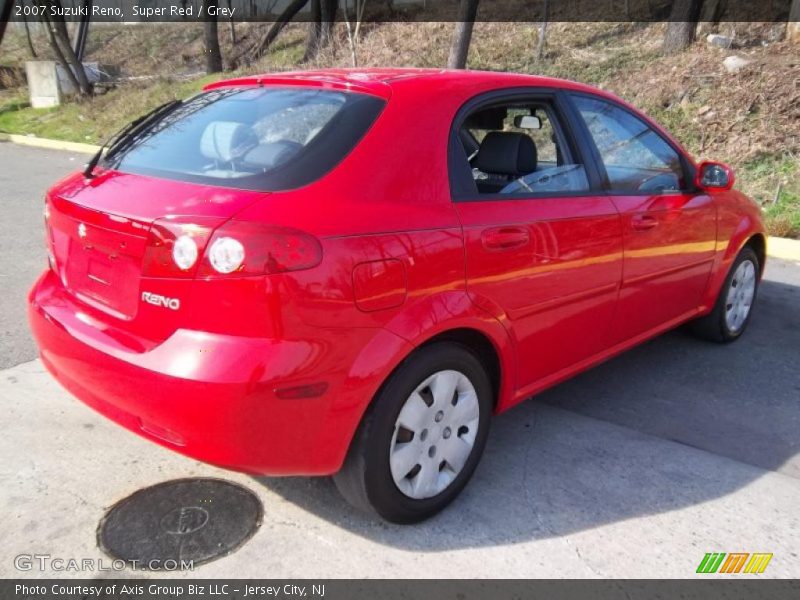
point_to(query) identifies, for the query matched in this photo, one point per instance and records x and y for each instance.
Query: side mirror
(714, 176)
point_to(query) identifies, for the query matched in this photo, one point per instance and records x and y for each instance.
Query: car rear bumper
(211, 397)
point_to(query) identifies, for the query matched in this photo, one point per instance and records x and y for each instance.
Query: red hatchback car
(348, 272)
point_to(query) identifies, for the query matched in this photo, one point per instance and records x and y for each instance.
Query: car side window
(518, 149)
(636, 158)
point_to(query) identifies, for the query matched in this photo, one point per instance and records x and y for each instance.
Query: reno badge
(159, 300)
(82, 231)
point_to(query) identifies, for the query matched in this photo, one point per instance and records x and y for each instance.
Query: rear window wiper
(126, 134)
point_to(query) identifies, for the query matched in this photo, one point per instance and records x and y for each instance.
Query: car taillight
(240, 248)
(174, 246)
(226, 255)
(185, 252)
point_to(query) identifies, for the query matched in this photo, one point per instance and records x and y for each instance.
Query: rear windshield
(264, 139)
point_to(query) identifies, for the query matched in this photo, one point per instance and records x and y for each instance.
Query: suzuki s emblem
(82, 230)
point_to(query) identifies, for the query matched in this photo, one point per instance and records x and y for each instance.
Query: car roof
(380, 81)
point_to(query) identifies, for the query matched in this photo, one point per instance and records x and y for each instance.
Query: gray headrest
(506, 153)
(273, 154)
(226, 140)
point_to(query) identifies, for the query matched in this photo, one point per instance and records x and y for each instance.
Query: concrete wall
(43, 85)
(48, 82)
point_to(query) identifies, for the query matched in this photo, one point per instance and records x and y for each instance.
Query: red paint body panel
(558, 290)
(379, 284)
(554, 285)
(667, 264)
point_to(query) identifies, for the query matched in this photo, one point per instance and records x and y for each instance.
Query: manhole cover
(172, 523)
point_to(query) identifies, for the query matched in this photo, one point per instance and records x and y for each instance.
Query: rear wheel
(731, 313)
(422, 438)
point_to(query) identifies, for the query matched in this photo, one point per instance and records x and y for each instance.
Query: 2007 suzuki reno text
(348, 272)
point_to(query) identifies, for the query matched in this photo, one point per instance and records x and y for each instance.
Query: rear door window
(517, 148)
(259, 138)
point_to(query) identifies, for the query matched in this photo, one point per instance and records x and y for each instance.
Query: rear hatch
(187, 169)
(100, 230)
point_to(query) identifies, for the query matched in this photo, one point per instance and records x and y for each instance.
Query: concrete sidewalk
(558, 494)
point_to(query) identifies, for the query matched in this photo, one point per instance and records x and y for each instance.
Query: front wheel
(421, 438)
(731, 313)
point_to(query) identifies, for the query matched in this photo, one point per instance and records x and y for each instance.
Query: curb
(32, 140)
(783, 248)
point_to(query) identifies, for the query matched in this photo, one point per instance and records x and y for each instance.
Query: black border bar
(531, 11)
(713, 588)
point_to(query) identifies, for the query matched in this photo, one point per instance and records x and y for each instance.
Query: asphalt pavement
(636, 468)
(25, 175)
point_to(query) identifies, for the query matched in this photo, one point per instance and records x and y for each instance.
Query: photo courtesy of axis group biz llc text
(400, 299)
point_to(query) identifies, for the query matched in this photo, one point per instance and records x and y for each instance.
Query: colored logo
(734, 562)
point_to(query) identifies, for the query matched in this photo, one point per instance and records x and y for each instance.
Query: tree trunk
(711, 15)
(793, 26)
(459, 48)
(542, 41)
(232, 26)
(287, 15)
(83, 30)
(353, 30)
(314, 30)
(682, 25)
(211, 41)
(59, 30)
(320, 31)
(543, 32)
(28, 37)
(58, 53)
(5, 16)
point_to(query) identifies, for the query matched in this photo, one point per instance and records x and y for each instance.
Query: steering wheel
(556, 179)
(660, 183)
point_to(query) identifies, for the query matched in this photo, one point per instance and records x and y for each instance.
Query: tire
(427, 435)
(717, 326)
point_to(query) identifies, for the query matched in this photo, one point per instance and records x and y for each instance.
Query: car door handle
(505, 238)
(643, 222)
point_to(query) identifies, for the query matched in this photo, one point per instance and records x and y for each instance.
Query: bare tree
(682, 25)
(712, 15)
(231, 24)
(5, 16)
(793, 26)
(28, 37)
(462, 36)
(211, 40)
(62, 48)
(260, 48)
(59, 55)
(320, 30)
(543, 31)
(352, 31)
